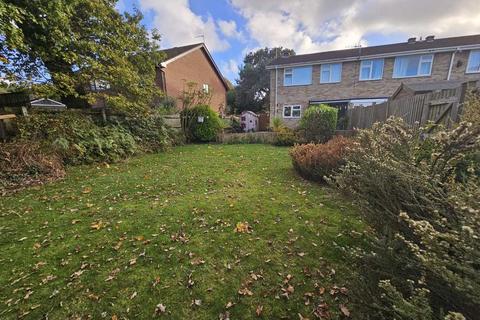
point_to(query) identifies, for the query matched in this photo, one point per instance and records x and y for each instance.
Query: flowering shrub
(427, 221)
(315, 161)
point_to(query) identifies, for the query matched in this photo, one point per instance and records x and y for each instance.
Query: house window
(330, 73)
(371, 69)
(292, 111)
(205, 88)
(413, 66)
(474, 62)
(297, 76)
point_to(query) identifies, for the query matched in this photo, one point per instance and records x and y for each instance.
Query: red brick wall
(194, 67)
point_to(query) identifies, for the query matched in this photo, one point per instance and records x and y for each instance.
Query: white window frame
(206, 89)
(329, 65)
(469, 61)
(292, 106)
(290, 72)
(370, 73)
(418, 75)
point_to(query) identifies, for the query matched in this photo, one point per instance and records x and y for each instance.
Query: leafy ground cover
(201, 232)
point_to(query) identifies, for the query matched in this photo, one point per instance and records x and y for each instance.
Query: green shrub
(24, 163)
(198, 131)
(318, 123)
(149, 131)
(426, 221)
(285, 137)
(77, 137)
(277, 124)
(316, 161)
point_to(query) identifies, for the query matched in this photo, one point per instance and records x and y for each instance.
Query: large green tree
(253, 86)
(68, 45)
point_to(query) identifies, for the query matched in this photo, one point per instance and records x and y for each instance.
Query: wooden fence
(437, 107)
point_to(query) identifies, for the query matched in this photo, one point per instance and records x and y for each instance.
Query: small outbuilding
(249, 121)
(47, 104)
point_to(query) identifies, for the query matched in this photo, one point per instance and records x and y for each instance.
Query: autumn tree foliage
(80, 49)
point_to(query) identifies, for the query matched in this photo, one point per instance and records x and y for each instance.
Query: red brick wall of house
(194, 67)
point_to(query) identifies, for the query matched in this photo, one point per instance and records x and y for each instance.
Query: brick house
(192, 63)
(368, 75)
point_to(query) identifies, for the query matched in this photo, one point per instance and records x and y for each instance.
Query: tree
(65, 46)
(231, 101)
(253, 89)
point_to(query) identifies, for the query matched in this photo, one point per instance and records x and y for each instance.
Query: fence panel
(438, 107)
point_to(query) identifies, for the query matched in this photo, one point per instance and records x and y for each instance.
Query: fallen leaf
(160, 308)
(229, 305)
(245, 292)
(86, 190)
(97, 225)
(345, 310)
(259, 310)
(197, 302)
(242, 227)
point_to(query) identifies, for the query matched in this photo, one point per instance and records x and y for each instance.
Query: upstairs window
(413, 66)
(292, 111)
(331, 73)
(205, 88)
(297, 76)
(371, 69)
(474, 62)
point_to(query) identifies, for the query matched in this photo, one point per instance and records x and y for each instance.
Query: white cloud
(313, 25)
(230, 69)
(229, 29)
(178, 25)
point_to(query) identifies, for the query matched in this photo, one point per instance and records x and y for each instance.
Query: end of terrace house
(367, 75)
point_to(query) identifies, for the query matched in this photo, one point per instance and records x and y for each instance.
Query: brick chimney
(430, 38)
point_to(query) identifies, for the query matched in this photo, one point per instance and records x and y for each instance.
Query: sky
(232, 28)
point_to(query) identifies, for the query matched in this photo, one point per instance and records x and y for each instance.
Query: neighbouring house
(367, 75)
(192, 63)
(249, 121)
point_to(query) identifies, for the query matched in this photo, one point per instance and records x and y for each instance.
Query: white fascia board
(374, 56)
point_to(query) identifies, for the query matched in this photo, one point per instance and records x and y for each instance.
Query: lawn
(155, 237)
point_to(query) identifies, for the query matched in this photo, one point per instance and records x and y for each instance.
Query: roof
(47, 103)
(178, 52)
(449, 44)
(250, 112)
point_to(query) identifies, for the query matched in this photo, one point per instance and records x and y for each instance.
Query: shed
(249, 121)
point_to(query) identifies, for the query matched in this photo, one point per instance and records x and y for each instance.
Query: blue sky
(234, 27)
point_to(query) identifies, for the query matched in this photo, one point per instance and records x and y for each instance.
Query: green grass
(166, 235)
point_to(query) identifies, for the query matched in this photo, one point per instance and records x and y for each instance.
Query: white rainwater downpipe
(451, 64)
(276, 91)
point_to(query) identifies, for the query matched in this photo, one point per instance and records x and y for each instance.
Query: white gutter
(451, 64)
(373, 56)
(276, 91)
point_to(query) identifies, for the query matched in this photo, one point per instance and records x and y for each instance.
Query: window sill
(334, 82)
(297, 85)
(472, 72)
(406, 77)
(365, 80)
